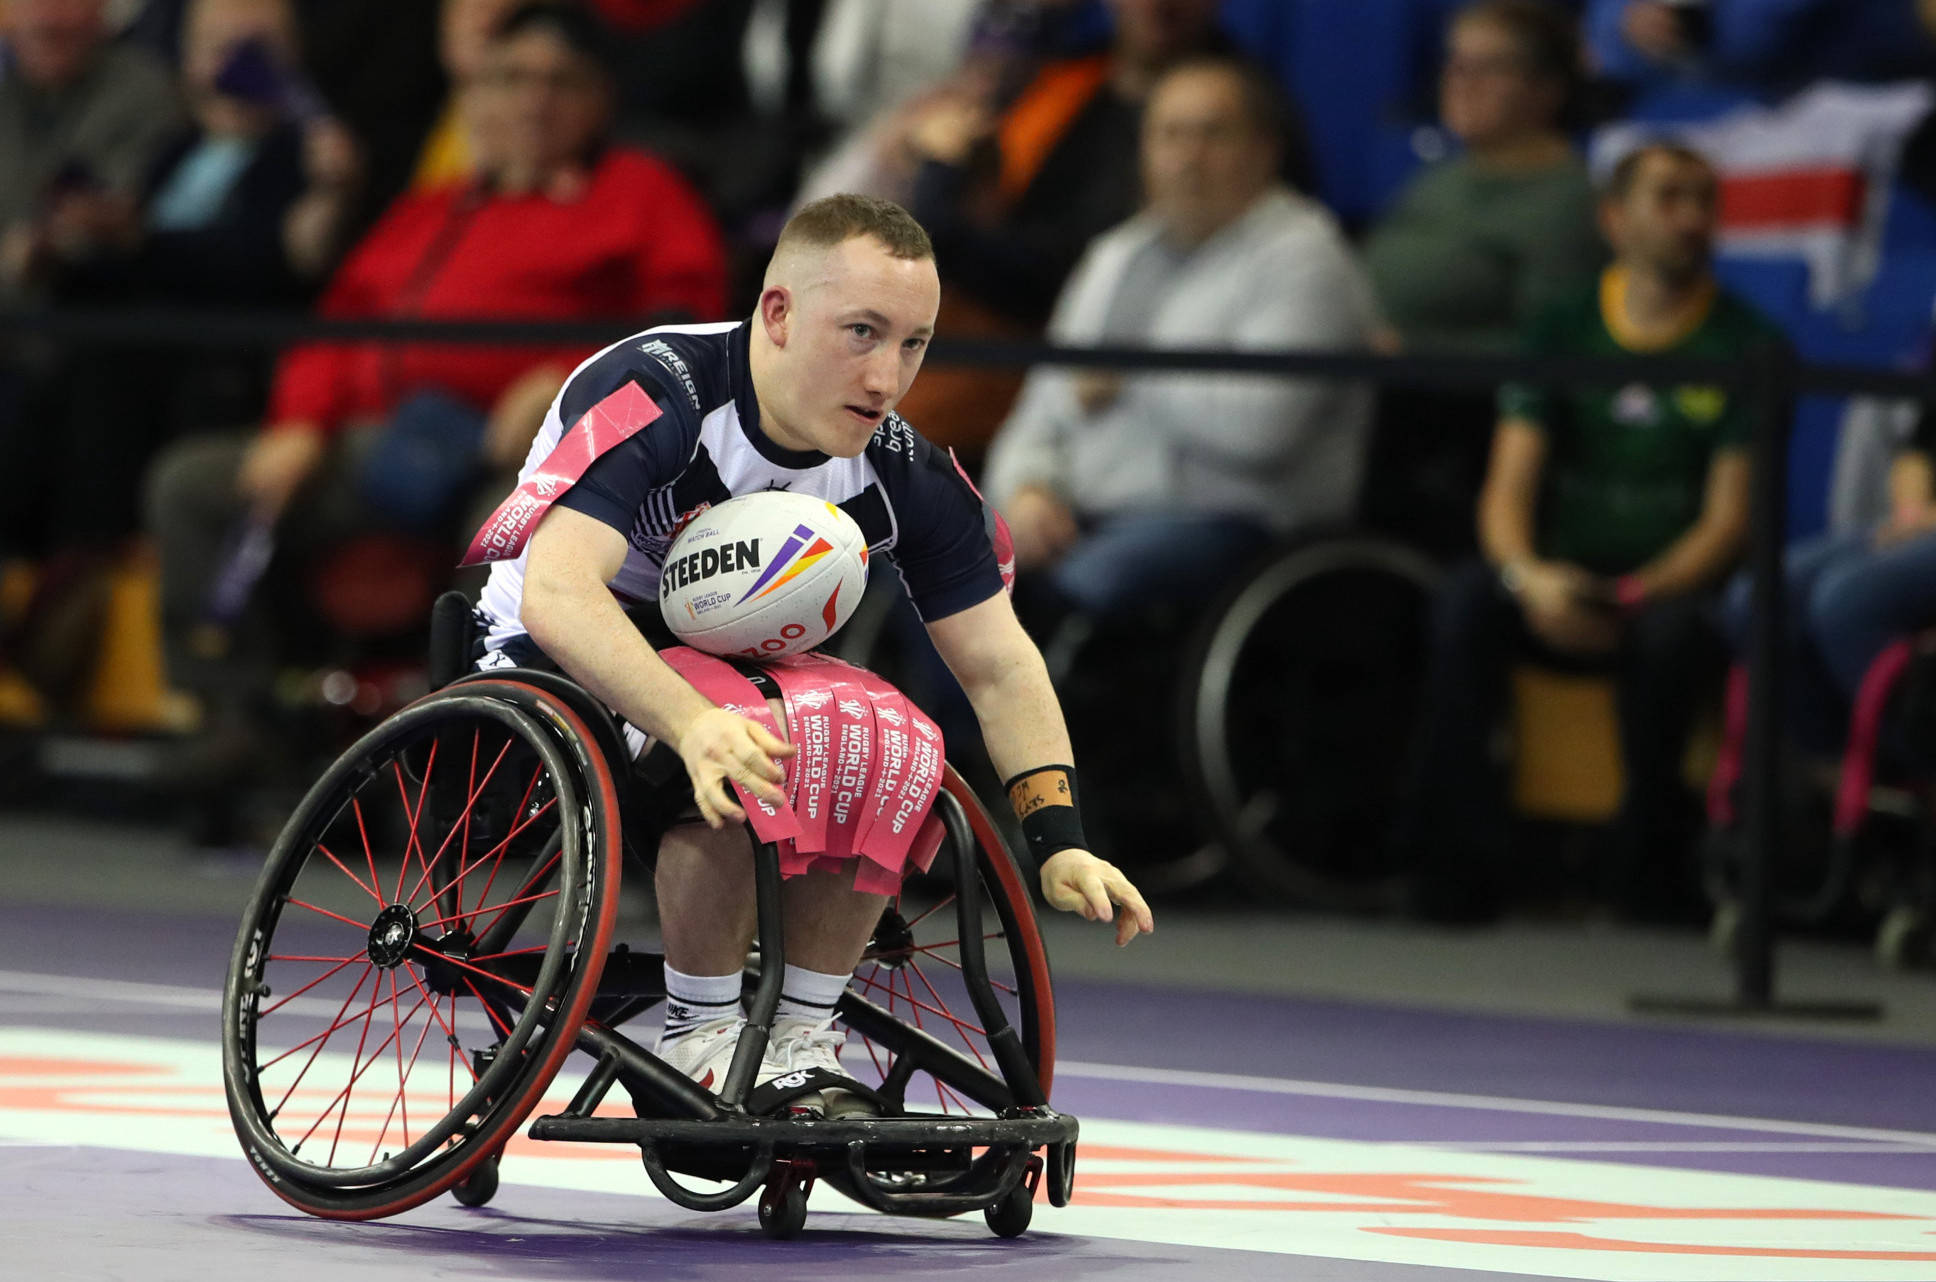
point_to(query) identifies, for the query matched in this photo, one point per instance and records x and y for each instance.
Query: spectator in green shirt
(1607, 517)
(1475, 246)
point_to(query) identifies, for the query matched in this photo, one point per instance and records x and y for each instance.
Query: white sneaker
(705, 1052)
(806, 1044)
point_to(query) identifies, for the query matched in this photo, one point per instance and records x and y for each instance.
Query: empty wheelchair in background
(1297, 712)
(1861, 831)
(432, 938)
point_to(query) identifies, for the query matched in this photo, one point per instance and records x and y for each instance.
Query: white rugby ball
(763, 575)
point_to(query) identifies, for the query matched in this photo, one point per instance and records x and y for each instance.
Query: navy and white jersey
(911, 502)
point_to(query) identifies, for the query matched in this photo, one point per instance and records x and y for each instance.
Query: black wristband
(1048, 809)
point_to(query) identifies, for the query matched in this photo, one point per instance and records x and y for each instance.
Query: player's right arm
(574, 618)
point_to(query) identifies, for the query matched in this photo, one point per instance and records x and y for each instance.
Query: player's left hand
(1075, 881)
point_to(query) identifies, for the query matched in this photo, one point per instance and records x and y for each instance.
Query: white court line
(209, 1000)
(1486, 1103)
(123, 992)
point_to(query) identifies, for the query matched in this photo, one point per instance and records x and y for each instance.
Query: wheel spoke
(342, 1096)
(413, 813)
(321, 1040)
(450, 1032)
(476, 738)
(946, 900)
(362, 1039)
(505, 845)
(918, 1005)
(488, 935)
(295, 957)
(1010, 989)
(475, 970)
(319, 1037)
(497, 850)
(363, 832)
(509, 903)
(327, 913)
(960, 1029)
(470, 803)
(270, 1010)
(502, 1027)
(358, 881)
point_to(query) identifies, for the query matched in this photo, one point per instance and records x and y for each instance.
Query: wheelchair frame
(910, 1164)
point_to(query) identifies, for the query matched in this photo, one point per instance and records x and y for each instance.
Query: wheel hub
(391, 935)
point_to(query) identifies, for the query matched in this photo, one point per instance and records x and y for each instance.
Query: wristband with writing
(1045, 802)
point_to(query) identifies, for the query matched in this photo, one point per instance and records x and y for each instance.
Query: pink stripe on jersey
(612, 421)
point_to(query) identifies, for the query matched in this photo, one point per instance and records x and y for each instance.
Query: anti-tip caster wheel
(783, 1212)
(480, 1186)
(1010, 1216)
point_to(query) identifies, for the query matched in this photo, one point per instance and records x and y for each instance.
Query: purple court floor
(1224, 1135)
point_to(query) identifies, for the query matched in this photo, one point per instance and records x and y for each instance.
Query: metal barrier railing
(1771, 377)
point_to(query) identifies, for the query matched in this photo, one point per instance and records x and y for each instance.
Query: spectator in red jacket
(367, 435)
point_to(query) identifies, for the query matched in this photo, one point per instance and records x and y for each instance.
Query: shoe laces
(807, 1039)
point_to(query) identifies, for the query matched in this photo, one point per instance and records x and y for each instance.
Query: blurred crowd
(1161, 173)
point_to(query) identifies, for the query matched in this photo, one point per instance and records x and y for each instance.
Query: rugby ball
(763, 575)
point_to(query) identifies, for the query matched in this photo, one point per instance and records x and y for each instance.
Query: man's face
(464, 30)
(1666, 221)
(537, 103)
(1159, 31)
(855, 333)
(1486, 91)
(52, 40)
(1204, 159)
(215, 28)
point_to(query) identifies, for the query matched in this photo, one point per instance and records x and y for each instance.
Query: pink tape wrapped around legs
(719, 681)
(860, 788)
(885, 766)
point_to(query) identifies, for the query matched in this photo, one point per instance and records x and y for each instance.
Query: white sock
(692, 1000)
(810, 994)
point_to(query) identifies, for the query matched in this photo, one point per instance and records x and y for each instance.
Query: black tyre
(480, 1186)
(448, 885)
(1297, 728)
(1009, 1218)
(783, 1216)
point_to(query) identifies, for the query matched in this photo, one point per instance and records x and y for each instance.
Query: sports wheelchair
(432, 937)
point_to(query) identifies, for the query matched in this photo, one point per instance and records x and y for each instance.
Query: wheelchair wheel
(1297, 729)
(420, 950)
(920, 1034)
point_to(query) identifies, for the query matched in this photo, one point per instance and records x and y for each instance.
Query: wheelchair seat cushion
(862, 784)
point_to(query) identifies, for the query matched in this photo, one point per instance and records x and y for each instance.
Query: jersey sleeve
(614, 488)
(945, 551)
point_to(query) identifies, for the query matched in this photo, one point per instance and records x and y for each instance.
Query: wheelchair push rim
(446, 891)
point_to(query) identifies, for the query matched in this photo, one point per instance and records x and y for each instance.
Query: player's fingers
(721, 798)
(1096, 891)
(1064, 898)
(706, 811)
(771, 744)
(756, 763)
(1135, 917)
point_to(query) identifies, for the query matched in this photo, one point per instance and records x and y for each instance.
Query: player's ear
(776, 313)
